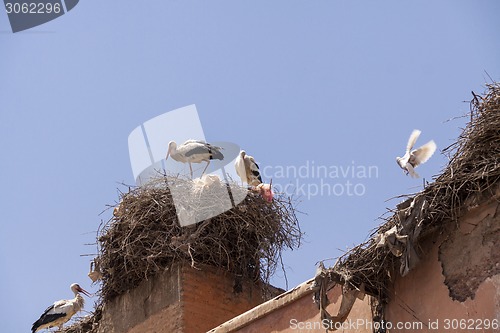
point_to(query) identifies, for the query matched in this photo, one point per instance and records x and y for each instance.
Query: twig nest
(144, 236)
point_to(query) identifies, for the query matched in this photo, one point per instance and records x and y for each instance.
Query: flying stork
(247, 169)
(414, 158)
(194, 151)
(61, 311)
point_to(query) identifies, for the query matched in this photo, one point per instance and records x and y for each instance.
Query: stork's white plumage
(247, 169)
(61, 311)
(414, 158)
(194, 151)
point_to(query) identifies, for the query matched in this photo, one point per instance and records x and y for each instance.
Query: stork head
(171, 147)
(75, 288)
(243, 153)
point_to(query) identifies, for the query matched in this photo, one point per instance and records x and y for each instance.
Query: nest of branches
(87, 324)
(144, 236)
(472, 174)
(474, 167)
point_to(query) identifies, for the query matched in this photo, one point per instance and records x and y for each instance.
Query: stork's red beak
(83, 291)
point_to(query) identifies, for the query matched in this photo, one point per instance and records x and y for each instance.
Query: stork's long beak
(85, 292)
(168, 153)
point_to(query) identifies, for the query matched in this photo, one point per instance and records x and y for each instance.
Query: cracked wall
(181, 299)
(470, 255)
(458, 277)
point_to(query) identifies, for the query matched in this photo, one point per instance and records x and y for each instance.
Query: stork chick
(266, 191)
(61, 311)
(414, 158)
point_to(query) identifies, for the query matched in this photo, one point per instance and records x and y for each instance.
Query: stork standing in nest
(194, 151)
(61, 311)
(414, 158)
(248, 170)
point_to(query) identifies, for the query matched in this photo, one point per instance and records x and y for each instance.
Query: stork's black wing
(46, 318)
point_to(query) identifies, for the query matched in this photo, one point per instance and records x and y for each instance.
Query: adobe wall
(456, 285)
(295, 311)
(181, 299)
(303, 316)
(208, 299)
(156, 297)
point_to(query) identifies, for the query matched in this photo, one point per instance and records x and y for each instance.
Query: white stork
(247, 169)
(414, 158)
(61, 311)
(194, 151)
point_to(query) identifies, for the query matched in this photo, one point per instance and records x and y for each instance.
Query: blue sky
(337, 83)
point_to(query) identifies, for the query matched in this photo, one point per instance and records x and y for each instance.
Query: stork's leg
(208, 162)
(191, 169)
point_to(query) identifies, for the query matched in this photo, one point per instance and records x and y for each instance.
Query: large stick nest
(472, 173)
(144, 237)
(87, 324)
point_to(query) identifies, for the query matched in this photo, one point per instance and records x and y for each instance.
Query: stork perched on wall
(61, 311)
(194, 151)
(247, 169)
(414, 158)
